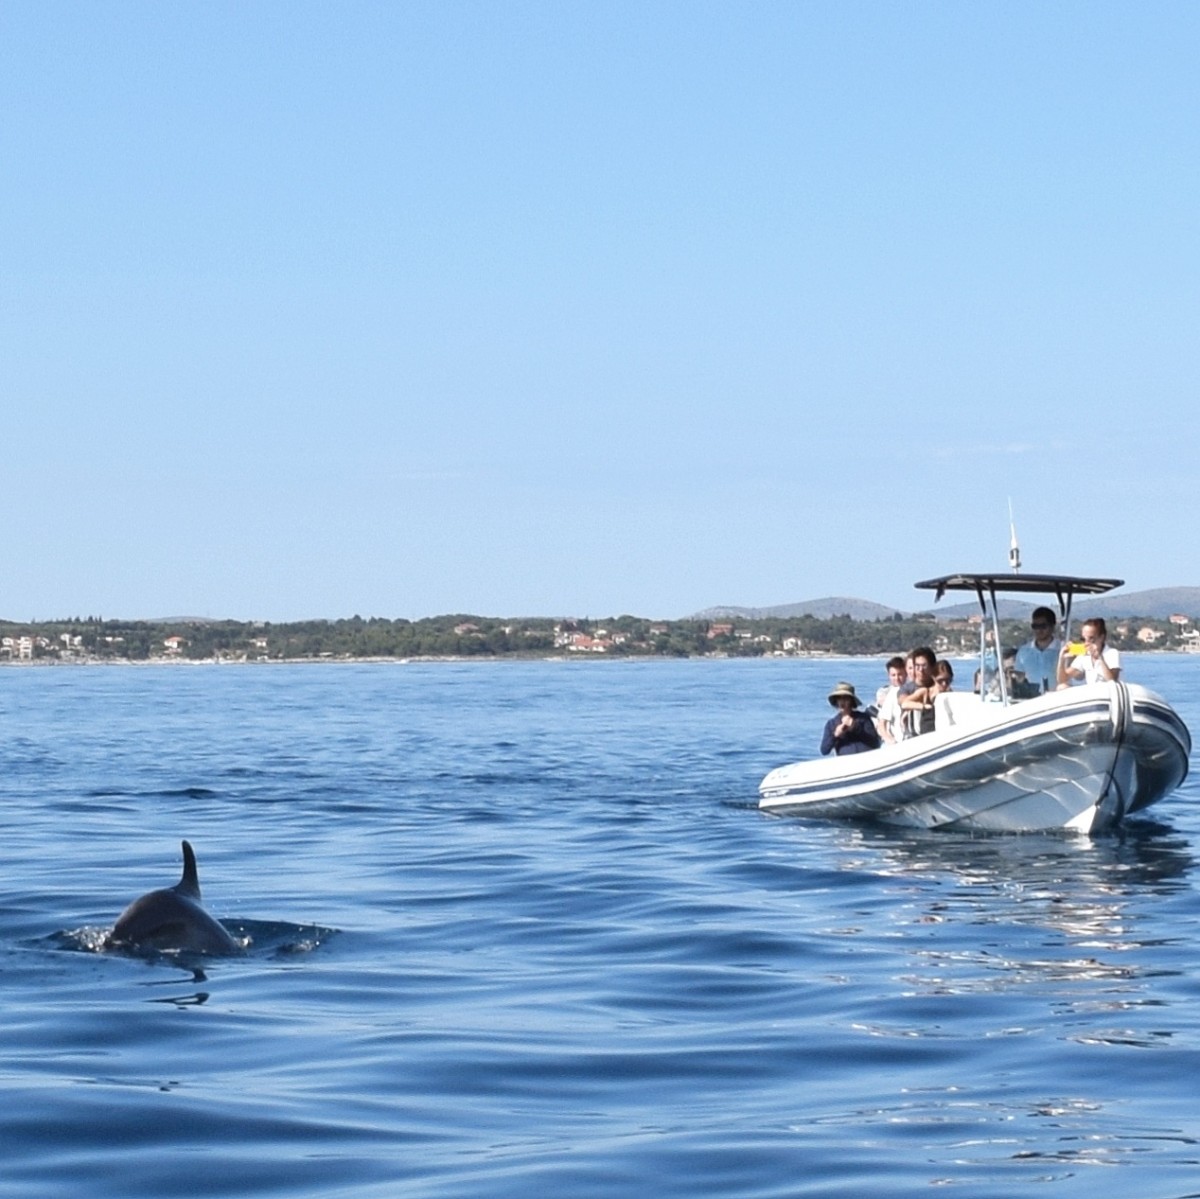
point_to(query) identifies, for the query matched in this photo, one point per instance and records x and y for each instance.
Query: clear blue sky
(400, 309)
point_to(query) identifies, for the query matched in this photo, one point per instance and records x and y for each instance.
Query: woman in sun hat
(851, 731)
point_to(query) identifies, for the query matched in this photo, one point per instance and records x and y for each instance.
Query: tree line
(469, 636)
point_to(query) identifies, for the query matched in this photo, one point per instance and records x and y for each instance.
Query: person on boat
(1097, 664)
(943, 677)
(916, 696)
(889, 720)
(1036, 668)
(851, 730)
(991, 689)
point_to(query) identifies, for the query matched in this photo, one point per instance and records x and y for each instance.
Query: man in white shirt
(1097, 664)
(889, 719)
(1037, 660)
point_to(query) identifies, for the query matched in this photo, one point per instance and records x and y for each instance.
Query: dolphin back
(173, 918)
(168, 920)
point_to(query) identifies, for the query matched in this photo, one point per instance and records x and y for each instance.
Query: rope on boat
(1120, 711)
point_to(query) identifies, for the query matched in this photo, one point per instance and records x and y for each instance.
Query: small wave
(279, 938)
(258, 938)
(167, 793)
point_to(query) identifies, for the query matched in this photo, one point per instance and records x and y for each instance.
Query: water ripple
(569, 956)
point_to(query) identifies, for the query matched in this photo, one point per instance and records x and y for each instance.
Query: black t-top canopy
(1059, 585)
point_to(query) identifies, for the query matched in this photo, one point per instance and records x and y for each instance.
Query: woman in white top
(1097, 664)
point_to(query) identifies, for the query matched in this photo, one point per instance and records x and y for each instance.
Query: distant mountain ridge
(823, 609)
(1157, 603)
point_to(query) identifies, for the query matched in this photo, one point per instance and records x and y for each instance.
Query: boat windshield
(994, 682)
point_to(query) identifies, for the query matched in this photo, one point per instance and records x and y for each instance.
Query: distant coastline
(460, 638)
(450, 660)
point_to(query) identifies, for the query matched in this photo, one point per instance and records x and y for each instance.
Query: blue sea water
(518, 928)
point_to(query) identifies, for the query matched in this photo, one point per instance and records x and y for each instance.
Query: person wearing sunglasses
(1037, 660)
(1097, 664)
(916, 696)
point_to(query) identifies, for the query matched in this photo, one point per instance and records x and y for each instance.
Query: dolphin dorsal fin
(189, 885)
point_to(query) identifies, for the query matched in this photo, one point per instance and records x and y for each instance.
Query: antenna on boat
(1014, 550)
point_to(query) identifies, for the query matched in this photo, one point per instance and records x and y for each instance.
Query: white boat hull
(1079, 759)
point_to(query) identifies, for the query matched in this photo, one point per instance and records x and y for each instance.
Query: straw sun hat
(846, 689)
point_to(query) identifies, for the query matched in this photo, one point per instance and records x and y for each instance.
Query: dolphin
(173, 918)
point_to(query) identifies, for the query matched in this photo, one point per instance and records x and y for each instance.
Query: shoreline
(488, 659)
